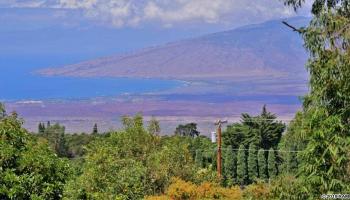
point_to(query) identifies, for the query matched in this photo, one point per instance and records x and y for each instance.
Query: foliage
(263, 170)
(95, 129)
(115, 166)
(235, 134)
(183, 190)
(242, 168)
(326, 156)
(271, 164)
(258, 190)
(41, 128)
(77, 143)
(2, 111)
(55, 135)
(288, 187)
(132, 163)
(109, 177)
(294, 141)
(230, 166)
(203, 144)
(253, 162)
(199, 158)
(173, 159)
(327, 107)
(263, 130)
(153, 126)
(206, 175)
(28, 168)
(187, 130)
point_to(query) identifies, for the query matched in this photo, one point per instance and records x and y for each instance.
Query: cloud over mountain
(168, 13)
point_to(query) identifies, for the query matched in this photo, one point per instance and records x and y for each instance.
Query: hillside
(264, 50)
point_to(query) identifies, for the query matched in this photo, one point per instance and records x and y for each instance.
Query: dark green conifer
(230, 167)
(253, 162)
(95, 130)
(242, 168)
(262, 164)
(272, 165)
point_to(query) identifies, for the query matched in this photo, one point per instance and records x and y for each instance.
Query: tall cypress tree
(41, 128)
(242, 168)
(95, 130)
(272, 166)
(262, 165)
(253, 162)
(229, 166)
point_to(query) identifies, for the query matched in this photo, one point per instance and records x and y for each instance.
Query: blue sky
(66, 31)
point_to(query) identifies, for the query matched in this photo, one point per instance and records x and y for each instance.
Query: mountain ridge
(262, 50)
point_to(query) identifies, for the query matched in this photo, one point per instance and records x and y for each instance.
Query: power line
(266, 150)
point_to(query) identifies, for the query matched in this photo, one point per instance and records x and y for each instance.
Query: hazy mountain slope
(264, 50)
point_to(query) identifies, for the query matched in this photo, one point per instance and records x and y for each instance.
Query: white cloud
(168, 12)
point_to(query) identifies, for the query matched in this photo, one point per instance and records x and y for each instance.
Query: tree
(95, 130)
(262, 130)
(203, 144)
(131, 163)
(41, 128)
(292, 142)
(242, 168)
(28, 168)
(153, 126)
(267, 131)
(272, 165)
(2, 111)
(324, 166)
(262, 164)
(230, 168)
(56, 137)
(253, 163)
(115, 166)
(187, 130)
(235, 135)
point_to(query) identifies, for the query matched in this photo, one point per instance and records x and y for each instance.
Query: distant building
(213, 137)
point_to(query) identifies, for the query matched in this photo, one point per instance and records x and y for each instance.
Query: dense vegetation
(136, 162)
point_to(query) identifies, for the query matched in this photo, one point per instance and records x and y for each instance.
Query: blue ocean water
(18, 82)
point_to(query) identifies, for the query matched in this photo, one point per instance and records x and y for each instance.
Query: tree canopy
(325, 159)
(28, 167)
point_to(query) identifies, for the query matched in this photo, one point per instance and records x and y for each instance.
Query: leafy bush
(258, 190)
(183, 190)
(288, 187)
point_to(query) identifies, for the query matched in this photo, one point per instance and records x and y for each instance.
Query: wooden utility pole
(219, 155)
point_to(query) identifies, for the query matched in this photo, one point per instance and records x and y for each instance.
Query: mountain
(263, 50)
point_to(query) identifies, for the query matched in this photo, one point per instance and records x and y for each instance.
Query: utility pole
(219, 155)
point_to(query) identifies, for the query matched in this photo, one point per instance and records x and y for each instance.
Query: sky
(57, 32)
(163, 13)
